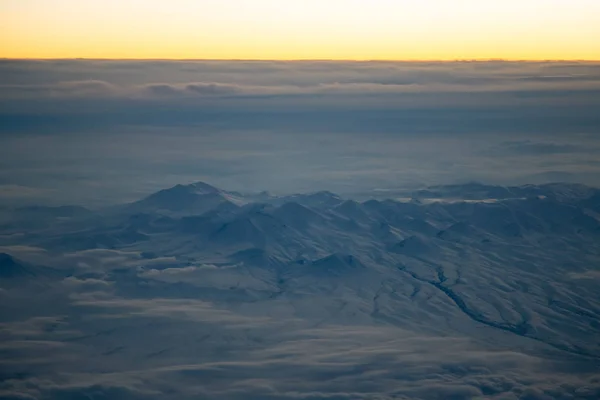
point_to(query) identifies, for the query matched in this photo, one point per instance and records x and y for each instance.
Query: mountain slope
(308, 296)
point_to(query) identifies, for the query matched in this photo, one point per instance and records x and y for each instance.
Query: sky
(307, 29)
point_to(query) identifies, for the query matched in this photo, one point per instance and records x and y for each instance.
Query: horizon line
(439, 60)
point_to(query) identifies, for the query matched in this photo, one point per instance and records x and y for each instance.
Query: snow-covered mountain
(195, 198)
(473, 291)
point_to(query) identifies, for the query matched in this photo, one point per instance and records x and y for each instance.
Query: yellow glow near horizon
(301, 29)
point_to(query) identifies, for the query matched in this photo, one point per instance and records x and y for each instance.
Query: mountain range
(457, 291)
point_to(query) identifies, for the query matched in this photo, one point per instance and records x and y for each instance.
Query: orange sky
(307, 29)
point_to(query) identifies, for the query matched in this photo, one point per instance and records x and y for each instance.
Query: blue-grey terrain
(465, 291)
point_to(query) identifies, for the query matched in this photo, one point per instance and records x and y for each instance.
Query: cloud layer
(69, 127)
(40, 88)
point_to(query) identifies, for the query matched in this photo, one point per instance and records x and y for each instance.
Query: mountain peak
(195, 198)
(6, 260)
(10, 268)
(202, 188)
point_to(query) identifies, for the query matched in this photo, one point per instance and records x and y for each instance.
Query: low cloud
(12, 191)
(374, 84)
(588, 275)
(98, 90)
(529, 147)
(327, 363)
